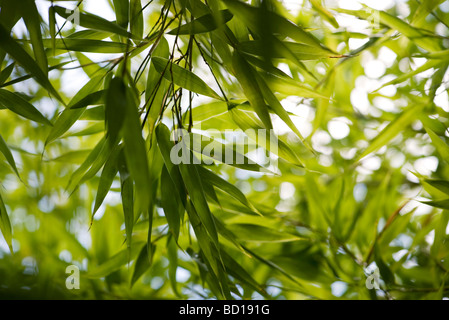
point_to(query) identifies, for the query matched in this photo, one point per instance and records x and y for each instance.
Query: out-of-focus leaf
(19, 105)
(250, 15)
(265, 139)
(318, 6)
(8, 155)
(440, 145)
(5, 224)
(183, 77)
(172, 251)
(395, 23)
(115, 262)
(392, 130)
(86, 45)
(252, 232)
(205, 23)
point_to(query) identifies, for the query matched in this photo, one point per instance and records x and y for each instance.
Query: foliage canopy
(357, 100)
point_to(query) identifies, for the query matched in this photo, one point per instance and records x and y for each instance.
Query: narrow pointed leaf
(183, 77)
(19, 105)
(8, 155)
(5, 224)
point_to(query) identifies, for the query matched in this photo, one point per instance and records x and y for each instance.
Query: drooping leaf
(92, 21)
(8, 44)
(5, 225)
(203, 24)
(392, 130)
(247, 80)
(8, 155)
(19, 105)
(183, 77)
(32, 21)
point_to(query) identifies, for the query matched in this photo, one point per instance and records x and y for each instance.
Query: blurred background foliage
(362, 183)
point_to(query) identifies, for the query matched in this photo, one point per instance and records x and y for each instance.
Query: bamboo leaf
(95, 22)
(108, 174)
(11, 47)
(8, 155)
(69, 116)
(183, 77)
(19, 105)
(136, 18)
(440, 145)
(392, 130)
(32, 21)
(171, 204)
(203, 24)
(5, 225)
(247, 80)
(256, 233)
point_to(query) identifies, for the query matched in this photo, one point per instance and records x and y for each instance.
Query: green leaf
(392, 130)
(8, 155)
(87, 45)
(183, 77)
(108, 174)
(11, 47)
(135, 151)
(203, 24)
(19, 105)
(442, 204)
(127, 193)
(317, 5)
(172, 254)
(6, 73)
(121, 8)
(229, 188)
(136, 18)
(69, 116)
(246, 78)
(256, 233)
(90, 100)
(250, 124)
(33, 23)
(143, 263)
(115, 108)
(52, 27)
(251, 15)
(171, 204)
(115, 262)
(395, 23)
(92, 21)
(192, 181)
(5, 224)
(441, 185)
(440, 145)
